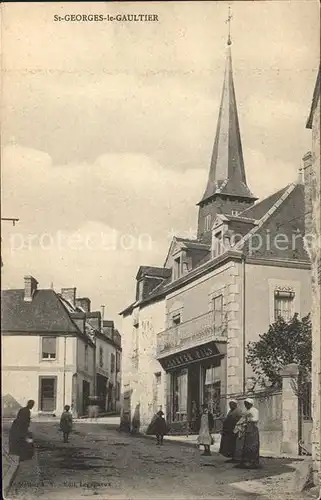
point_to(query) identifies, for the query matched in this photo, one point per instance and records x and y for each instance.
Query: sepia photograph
(161, 250)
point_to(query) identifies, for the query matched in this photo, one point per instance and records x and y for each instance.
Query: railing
(193, 332)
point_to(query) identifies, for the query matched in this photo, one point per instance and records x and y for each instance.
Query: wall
(260, 282)
(113, 376)
(24, 363)
(138, 374)
(195, 299)
(316, 326)
(269, 406)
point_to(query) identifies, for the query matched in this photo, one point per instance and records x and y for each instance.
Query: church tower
(227, 191)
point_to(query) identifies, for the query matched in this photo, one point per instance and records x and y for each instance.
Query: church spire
(227, 173)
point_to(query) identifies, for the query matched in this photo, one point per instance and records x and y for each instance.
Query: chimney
(84, 303)
(69, 294)
(30, 287)
(308, 191)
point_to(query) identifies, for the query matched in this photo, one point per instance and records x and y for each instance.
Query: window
(101, 357)
(176, 319)
(218, 312)
(112, 363)
(49, 347)
(208, 223)
(235, 212)
(177, 268)
(218, 244)
(212, 389)
(283, 305)
(86, 357)
(117, 391)
(47, 386)
(140, 289)
(180, 395)
(117, 361)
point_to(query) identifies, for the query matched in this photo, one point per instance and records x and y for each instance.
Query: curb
(9, 478)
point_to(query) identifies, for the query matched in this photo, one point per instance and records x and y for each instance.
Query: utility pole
(8, 219)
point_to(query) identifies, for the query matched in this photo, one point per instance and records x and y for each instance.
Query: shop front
(194, 377)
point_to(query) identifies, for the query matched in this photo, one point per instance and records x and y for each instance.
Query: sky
(108, 129)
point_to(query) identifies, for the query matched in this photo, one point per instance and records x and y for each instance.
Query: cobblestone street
(103, 463)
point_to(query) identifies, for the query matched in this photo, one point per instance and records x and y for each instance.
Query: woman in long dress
(158, 427)
(207, 423)
(228, 439)
(248, 438)
(20, 439)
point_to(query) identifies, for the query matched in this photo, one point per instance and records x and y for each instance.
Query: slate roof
(45, 313)
(158, 272)
(258, 210)
(227, 172)
(289, 216)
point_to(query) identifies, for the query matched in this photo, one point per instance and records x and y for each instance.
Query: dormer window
(217, 244)
(235, 212)
(177, 268)
(139, 290)
(207, 223)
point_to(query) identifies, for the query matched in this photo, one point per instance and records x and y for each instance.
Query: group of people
(240, 442)
(20, 437)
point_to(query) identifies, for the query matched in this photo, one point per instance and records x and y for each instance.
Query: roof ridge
(266, 198)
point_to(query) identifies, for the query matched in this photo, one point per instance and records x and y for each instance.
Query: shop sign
(189, 356)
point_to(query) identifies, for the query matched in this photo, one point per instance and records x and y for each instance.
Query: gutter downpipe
(243, 323)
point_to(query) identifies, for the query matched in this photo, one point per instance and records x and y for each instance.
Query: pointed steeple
(227, 173)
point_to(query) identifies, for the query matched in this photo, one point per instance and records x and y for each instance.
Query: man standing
(228, 439)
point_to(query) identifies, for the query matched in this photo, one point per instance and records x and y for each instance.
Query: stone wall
(316, 327)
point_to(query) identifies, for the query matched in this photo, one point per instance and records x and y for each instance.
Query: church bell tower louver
(227, 191)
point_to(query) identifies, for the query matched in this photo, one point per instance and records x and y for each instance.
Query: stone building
(185, 334)
(57, 351)
(313, 230)
(47, 354)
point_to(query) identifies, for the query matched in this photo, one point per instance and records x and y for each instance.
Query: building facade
(185, 335)
(108, 367)
(313, 226)
(46, 356)
(55, 350)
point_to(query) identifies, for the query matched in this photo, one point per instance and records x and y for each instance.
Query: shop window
(283, 305)
(212, 389)
(180, 395)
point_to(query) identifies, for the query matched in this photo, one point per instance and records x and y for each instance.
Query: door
(48, 390)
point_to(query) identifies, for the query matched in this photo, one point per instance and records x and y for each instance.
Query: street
(100, 462)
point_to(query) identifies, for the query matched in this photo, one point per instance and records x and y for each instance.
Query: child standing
(66, 423)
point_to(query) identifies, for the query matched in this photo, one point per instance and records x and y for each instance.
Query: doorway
(48, 392)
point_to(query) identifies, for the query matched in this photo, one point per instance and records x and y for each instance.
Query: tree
(283, 343)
